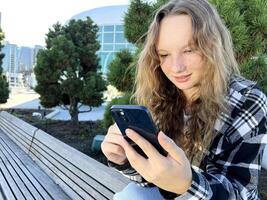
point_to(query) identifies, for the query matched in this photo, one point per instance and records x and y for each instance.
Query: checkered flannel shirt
(232, 168)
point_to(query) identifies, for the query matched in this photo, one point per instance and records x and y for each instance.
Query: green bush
(120, 72)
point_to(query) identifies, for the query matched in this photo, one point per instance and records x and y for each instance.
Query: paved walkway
(28, 99)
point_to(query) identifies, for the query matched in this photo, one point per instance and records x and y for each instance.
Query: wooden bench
(35, 165)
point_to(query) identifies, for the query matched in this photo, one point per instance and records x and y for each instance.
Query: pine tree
(68, 70)
(120, 73)
(247, 22)
(4, 91)
(137, 20)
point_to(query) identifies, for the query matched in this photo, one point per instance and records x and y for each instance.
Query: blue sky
(25, 22)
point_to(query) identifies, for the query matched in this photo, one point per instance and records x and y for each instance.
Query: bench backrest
(19, 131)
(80, 176)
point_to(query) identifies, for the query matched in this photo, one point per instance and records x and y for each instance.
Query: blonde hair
(166, 102)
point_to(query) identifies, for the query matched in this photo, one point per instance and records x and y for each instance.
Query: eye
(163, 55)
(188, 50)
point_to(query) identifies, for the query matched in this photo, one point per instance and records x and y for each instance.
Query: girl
(212, 120)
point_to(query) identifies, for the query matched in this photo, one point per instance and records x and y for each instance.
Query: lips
(183, 78)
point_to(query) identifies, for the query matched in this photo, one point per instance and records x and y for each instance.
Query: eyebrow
(190, 44)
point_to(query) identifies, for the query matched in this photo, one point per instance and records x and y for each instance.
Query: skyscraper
(25, 59)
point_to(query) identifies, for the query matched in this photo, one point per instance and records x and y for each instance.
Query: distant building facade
(111, 31)
(18, 64)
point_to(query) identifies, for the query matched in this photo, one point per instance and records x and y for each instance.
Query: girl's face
(180, 61)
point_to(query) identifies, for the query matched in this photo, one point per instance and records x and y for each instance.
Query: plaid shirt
(231, 169)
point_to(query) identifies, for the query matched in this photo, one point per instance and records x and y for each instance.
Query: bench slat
(1, 195)
(18, 122)
(78, 175)
(23, 143)
(28, 190)
(13, 127)
(37, 182)
(78, 180)
(4, 185)
(98, 171)
(10, 179)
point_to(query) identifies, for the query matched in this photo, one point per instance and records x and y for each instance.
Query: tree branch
(64, 107)
(86, 110)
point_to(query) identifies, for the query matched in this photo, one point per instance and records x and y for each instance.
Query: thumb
(169, 145)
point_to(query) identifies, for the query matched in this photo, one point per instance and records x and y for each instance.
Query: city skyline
(26, 25)
(19, 61)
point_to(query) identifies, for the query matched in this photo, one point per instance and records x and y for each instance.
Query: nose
(178, 64)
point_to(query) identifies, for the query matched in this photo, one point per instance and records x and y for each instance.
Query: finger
(145, 145)
(169, 145)
(138, 162)
(113, 138)
(117, 159)
(112, 149)
(114, 130)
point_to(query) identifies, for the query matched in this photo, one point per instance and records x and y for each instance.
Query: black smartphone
(138, 119)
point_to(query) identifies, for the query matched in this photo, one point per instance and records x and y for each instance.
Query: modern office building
(25, 59)
(10, 63)
(18, 64)
(111, 31)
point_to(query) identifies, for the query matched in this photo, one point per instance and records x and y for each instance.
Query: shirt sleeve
(233, 167)
(129, 172)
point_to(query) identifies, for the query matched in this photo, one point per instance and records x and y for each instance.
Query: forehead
(175, 30)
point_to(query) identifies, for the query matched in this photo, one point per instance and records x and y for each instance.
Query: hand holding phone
(138, 119)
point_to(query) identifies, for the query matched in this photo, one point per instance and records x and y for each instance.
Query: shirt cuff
(199, 189)
(119, 167)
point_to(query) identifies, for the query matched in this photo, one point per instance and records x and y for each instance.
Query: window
(119, 28)
(108, 37)
(119, 38)
(109, 28)
(108, 47)
(119, 47)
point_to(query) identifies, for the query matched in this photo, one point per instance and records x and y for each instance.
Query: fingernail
(163, 135)
(128, 132)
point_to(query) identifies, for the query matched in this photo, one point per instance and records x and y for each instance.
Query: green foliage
(121, 74)
(126, 99)
(247, 22)
(256, 70)
(158, 4)
(137, 20)
(67, 71)
(4, 91)
(255, 12)
(234, 20)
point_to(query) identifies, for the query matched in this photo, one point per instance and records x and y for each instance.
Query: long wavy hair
(168, 103)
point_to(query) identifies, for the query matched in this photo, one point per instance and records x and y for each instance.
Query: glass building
(111, 31)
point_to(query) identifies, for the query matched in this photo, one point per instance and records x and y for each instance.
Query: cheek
(165, 66)
(196, 64)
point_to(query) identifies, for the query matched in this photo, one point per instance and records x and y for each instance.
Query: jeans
(134, 192)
